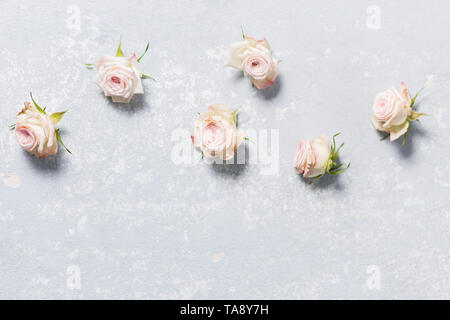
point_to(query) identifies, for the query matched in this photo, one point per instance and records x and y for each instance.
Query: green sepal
(146, 76)
(12, 127)
(413, 100)
(332, 165)
(316, 178)
(248, 139)
(336, 152)
(89, 65)
(57, 116)
(58, 137)
(119, 52)
(404, 138)
(243, 34)
(235, 116)
(36, 105)
(333, 146)
(142, 55)
(385, 137)
(416, 115)
(340, 171)
(338, 166)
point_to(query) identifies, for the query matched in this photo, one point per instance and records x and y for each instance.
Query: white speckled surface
(132, 224)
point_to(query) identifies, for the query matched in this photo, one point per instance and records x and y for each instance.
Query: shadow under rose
(324, 182)
(235, 167)
(137, 104)
(239, 75)
(272, 91)
(50, 164)
(408, 149)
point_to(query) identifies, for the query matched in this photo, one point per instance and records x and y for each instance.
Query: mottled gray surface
(137, 225)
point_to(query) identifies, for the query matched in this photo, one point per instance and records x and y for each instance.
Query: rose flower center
(115, 79)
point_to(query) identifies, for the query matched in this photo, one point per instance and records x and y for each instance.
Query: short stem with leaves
(414, 115)
(333, 167)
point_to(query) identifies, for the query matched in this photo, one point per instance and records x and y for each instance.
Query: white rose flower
(311, 157)
(315, 157)
(119, 77)
(255, 59)
(393, 110)
(36, 132)
(216, 134)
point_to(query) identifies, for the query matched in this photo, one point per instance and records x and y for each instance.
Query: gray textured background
(139, 226)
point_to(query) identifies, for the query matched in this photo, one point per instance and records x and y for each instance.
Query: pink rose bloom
(311, 157)
(35, 132)
(216, 134)
(119, 77)
(391, 110)
(255, 59)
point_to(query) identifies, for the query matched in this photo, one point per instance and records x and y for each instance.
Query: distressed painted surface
(119, 219)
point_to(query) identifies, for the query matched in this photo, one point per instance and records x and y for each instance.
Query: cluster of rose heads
(216, 133)
(393, 111)
(36, 132)
(314, 158)
(255, 59)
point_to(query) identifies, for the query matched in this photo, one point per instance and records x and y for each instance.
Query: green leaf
(235, 116)
(415, 97)
(58, 136)
(119, 52)
(146, 48)
(242, 30)
(36, 105)
(145, 76)
(57, 116)
(89, 65)
(335, 152)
